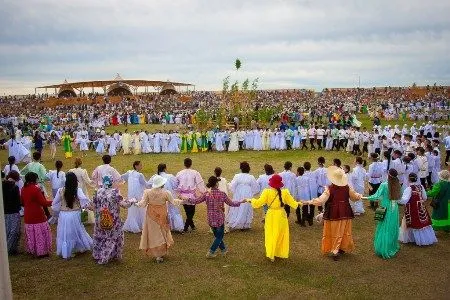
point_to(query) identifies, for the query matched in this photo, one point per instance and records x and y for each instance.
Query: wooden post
(5, 281)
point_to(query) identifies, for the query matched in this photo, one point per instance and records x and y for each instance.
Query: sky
(286, 44)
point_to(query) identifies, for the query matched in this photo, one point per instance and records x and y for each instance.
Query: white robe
(136, 215)
(243, 186)
(234, 142)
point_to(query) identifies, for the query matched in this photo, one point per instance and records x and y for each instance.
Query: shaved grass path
(417, 272)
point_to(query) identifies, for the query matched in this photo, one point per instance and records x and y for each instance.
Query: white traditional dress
(18, 151)
(157, 143)
(234, 142)
(136, 144)
(136, 215)
(126, 143)
(112, 144)
(243, 186)
(219, 141)
(357, 179)
(175, 219)
(257, 140)
(145, 143)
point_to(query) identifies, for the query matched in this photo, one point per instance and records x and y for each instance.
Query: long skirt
(240, 217)
(175, 219)
(156, 238)
(71, 235)
(38, 239)
(12, 224)
(107, 244)
(443, 224)
(337, 235)
(135, 219)
(385, 241)
(421, 237)
(55, 214)
(276, 232)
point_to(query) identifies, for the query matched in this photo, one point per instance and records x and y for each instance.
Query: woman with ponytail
(276, 226)
(385, 241)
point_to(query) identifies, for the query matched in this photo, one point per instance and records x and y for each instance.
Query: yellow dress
(276, 226)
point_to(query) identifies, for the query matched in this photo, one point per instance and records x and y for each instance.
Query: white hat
(158, 181)
(337, 176)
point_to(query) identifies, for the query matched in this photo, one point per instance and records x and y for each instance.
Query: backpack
(106, 219)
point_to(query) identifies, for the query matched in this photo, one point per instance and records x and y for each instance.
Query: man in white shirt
(320, 132)
(312, 137)
(105, 169)
(189, 181)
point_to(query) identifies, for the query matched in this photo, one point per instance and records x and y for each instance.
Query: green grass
(416, 272)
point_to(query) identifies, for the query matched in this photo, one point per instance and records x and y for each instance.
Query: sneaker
(209, 254)
(224, 252)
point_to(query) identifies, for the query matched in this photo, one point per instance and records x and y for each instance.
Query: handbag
(380, 213)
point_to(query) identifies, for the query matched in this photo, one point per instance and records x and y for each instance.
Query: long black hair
(279, 197)
(70, 189)
(11, 161)
(161, 168)
(58, 165)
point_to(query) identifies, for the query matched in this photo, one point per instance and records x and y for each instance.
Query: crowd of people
(154, 204)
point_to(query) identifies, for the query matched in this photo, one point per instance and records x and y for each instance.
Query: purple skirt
(38, 239)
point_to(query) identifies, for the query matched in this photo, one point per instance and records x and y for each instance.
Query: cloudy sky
(287, 44)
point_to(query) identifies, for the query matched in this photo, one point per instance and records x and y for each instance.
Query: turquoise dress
(386, 234)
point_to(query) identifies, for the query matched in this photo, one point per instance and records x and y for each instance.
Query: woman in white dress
(136, 144)
(136, 186)
(17, 150)
(112, 144)
(219, 141)
(173, 143)
(234, 141)
(145, 143)
(157, 143)
(83, 182)
(257, 140)
(357, 179)
(296, 142)
(100, 145)
(266, 140)
(83, 143)
(175, 219)
(281, 140)
(273, 140)
(71, 236)
(243, 186)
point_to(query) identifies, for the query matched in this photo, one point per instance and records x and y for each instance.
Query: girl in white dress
(56, 177)
(83, 182)
(273, 140)
(136, 144)
(83, 143)
(173, 143)
(71, 236)
(101, 145)
(112, 144)
(145, 143)
(296, 142)
(136, 186)
(219, 141)
(11, 166)
(157, 143)
(243, 186)
(175, 219)
(257, 140)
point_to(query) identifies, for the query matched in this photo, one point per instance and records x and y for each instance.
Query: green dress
(67, 143)
(440, 216)
(204, 145)
(184, 144)
(386, 233)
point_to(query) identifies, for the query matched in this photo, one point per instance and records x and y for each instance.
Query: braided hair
(279, 197)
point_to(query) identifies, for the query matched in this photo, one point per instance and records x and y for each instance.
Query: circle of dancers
(408, 174)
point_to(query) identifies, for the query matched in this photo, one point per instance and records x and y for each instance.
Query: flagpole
(5, 281)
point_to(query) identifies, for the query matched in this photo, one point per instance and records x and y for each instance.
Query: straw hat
(337, 176)
(276, 182)
(444, 175)
(158, 181)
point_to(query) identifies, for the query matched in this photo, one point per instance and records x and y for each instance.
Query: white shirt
(100, 171)
(56, 180)
(407, 194)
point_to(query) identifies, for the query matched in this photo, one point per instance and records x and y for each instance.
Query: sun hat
(337, 176)
(158, 181)
(276, 182)
(444, 175)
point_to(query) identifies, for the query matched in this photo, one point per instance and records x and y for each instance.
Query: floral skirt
(12, 222)
(38, 239)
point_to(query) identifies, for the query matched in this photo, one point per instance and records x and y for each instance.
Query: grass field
(418, 273)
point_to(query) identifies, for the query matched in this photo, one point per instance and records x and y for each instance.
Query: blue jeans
(218, 241)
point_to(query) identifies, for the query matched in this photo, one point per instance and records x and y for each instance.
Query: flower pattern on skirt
(38, 239)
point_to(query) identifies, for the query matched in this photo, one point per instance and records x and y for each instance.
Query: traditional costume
(441, 202)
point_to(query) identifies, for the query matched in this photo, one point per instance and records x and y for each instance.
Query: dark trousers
(378, 151)
(447, 156)
(311, 142)
(374, 186)
(304, 144)
(319, 143)
(218, 239)
(341, 144)
(241, 145)
(429, 184)
(335, 144)
(288, 144)
(287, 208)
(227, 144)
(423, 181)
(307, 214)
(209, 146)
(190, 212)
(365, 148)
